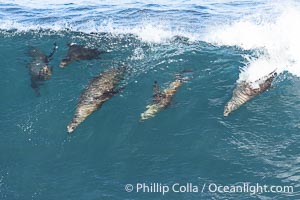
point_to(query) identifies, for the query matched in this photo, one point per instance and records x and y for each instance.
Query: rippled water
(221, 41)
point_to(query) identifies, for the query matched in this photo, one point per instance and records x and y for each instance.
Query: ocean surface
(222, 42)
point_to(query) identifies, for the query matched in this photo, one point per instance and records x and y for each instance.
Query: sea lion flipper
(35, 86)
(156, 89)
(53, 51)
(157, 94)
(118, 90)
(270, 76)
(111, 93)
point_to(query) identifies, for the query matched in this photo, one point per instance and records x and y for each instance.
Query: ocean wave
(273, 33)
(151, 21)
(152, 32)
(276, 36)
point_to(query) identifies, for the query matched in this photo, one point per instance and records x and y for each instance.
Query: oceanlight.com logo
(245, 187)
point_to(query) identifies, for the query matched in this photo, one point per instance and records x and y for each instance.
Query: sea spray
(278, 39)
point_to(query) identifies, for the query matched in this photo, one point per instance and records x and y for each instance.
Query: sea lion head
(229, 107)
(151, 111)
(71, 127)
(64, 62)
(45, 72)
(73, 124)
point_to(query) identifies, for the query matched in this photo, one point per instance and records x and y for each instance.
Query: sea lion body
(161, 100)
(79, 52)
(100, 89)
(245, 91)
(39, 68)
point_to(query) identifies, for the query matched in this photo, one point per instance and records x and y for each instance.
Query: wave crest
(277, 36)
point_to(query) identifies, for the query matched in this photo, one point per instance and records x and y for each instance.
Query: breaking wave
(274, 37)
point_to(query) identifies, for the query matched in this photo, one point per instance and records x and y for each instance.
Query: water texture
(223, 42)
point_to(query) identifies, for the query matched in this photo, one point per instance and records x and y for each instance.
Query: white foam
(102, 17)
(153, 32)
(277, 35)
(147, 31)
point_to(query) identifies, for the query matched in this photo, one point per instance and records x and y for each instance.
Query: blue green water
(190, 142)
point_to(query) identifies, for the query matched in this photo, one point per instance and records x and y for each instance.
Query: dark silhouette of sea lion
(79, 52)
(99, 90)
(39, 68)
(245, 91)
(162, 99)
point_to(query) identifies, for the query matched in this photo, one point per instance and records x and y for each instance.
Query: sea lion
(245, 91)
(39, 68)
(162, 99)
(99, 90)
(79, 52)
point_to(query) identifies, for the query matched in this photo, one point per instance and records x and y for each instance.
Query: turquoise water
(190, 142)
